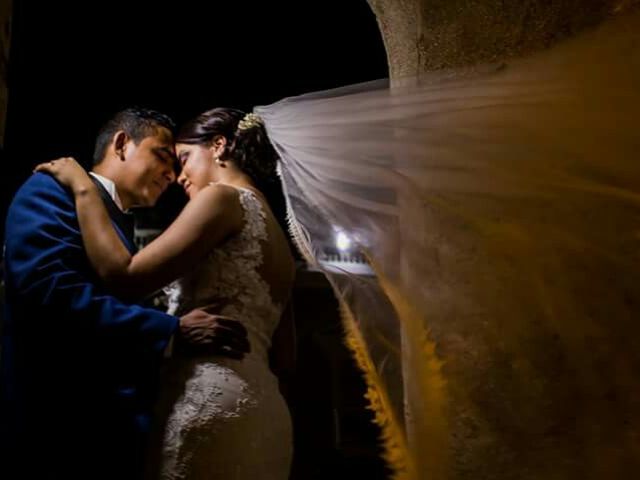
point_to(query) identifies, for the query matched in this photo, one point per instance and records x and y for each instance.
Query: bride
(222, 418)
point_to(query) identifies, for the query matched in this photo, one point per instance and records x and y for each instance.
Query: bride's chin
(191, 192)
(188, 191)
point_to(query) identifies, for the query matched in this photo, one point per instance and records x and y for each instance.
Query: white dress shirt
(110, 187)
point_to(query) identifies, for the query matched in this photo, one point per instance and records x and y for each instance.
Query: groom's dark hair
(137, 123)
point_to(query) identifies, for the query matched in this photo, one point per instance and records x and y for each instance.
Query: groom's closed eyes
(168, 157)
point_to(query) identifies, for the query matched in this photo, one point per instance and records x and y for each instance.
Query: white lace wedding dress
(225, 418)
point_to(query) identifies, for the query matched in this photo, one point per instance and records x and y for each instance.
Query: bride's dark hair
(249, 147)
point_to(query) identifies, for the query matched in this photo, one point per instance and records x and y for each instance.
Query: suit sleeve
(48, 267)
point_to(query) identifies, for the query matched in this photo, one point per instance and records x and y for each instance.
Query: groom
(79, 366)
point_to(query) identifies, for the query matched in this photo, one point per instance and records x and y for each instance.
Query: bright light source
(343, 242)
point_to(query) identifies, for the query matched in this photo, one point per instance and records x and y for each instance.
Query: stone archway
(426, 35)
(558, 426)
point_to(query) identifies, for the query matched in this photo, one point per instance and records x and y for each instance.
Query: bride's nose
(182, 178)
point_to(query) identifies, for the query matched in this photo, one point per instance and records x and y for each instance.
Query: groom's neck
(104, 170)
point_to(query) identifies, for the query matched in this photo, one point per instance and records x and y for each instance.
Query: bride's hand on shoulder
(67, 171)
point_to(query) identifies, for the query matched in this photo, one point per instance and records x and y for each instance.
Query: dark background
(73, 65)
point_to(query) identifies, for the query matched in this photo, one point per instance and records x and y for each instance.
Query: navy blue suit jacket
(79, 367)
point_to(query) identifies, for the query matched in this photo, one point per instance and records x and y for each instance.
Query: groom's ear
(119, 141)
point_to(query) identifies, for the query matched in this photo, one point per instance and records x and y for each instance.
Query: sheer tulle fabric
(499, 208)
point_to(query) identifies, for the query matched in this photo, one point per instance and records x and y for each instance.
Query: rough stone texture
(426, 35)
(536, 391)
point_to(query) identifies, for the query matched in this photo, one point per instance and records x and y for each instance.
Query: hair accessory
(250, 120)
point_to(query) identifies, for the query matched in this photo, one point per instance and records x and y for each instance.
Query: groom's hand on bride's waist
(201, 332)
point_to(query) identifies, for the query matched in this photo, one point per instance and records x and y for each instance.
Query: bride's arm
(206, 221)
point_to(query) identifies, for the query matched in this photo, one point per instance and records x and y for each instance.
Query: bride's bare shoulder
(218, 194)
(216, 203)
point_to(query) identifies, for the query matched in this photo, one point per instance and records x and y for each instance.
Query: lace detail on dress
(199, 413)
(230, 411)
(232, 275)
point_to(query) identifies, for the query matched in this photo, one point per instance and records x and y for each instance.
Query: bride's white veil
(499, 208)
